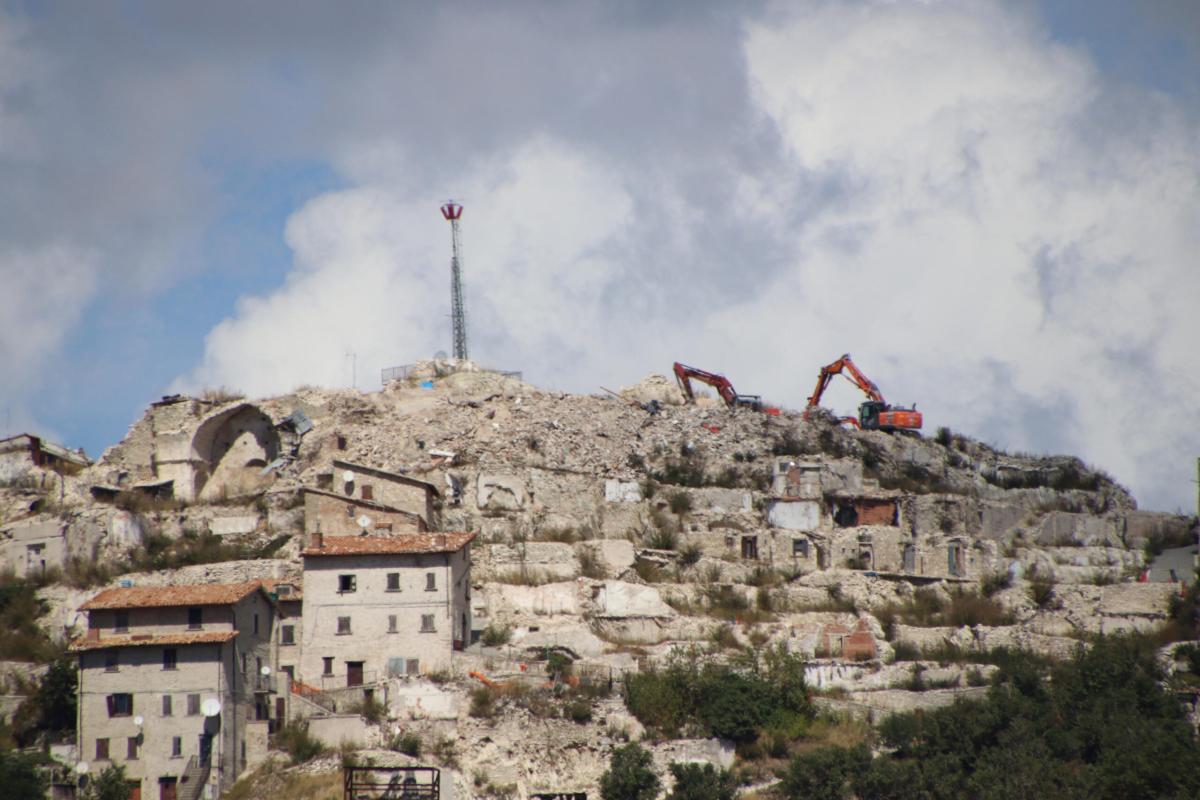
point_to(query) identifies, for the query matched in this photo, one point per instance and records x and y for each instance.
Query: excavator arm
(875, 412)
(685, 375)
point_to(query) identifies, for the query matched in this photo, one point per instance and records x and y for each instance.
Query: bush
(409, 744)
(680, 502)
(496, 635)
(995, 582)
(701, 782)
(579, 711)
(483, 703)
(371, 710)
(111, 784)
(689, 555)
(19, 775)
(630, 775)
(50, 709)
(825, 773)
(295, 739)
(1041, 592)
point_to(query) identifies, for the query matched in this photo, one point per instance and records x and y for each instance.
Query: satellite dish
(265, 670)
(348, 476)
(82, 768)
(138, 720)
(364, 521)
(210, 707)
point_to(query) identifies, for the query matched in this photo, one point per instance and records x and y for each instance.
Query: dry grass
(271, 780)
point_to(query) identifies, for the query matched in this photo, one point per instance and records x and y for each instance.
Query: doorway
(354, 673)
(167, 788)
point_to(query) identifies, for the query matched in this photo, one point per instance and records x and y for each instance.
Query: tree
(701, 782)
(630, 775)
(19, 775)
(825, 773)
(108, 785)
(50, 709)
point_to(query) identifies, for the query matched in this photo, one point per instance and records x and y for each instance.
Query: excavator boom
(875, 413)
(685, 374)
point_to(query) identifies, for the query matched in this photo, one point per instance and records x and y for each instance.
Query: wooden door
(135, 790)
(354, 673)
(166, 788)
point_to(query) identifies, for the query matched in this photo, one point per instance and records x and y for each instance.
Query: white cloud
(956, 199)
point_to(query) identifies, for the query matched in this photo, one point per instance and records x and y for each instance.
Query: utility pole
(452, 211)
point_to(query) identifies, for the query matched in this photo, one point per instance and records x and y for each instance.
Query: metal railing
(391, 783)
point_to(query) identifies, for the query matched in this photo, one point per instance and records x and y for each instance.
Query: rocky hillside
(615, 532)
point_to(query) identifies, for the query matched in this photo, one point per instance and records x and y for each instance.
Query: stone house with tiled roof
(377, 607)
(172, 685)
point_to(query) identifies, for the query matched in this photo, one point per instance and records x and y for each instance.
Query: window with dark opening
(195, 619)
(347, 583)
(393, 581)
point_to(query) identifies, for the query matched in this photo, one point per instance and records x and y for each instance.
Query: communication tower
(452, 211)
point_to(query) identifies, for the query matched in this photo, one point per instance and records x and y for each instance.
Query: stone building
(172, 685)
(377, 607)
(22, 453)
(386, 489)
(289, 607)
(32, 548)
(348, 515)
(202, 449)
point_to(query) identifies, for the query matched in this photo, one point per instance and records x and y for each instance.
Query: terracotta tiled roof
(150, 639)
(391, 545)
(210, 594)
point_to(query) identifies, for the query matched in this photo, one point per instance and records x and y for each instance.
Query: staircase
(195, 775)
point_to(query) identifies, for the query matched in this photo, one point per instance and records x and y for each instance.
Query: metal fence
(402, 373)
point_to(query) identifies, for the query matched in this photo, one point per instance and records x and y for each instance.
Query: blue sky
(992, 205)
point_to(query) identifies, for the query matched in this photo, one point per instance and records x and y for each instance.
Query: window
(413, 667)
(368, 492)
(392, 623)
(195, 619)
(176, 747)
(131, 748)
(393, 581)
(193, 705)
(166, 705)
(256, 624)
(427, 624)
(347, 583)
(110, 660)
(102, 749)
(343, 626)
(122, 623)
(120, 705)
(750, 547)
(328, 661)
(350, 511)
(170, 658)
(287, 634)
(431, 581)
(800, 548)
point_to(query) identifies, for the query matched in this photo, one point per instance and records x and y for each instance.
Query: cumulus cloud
(941, 189)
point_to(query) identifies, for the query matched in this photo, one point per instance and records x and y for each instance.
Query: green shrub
(409, 744)
(701, 782)
(590, 565)
(630, 775)
(680, 502)
(496, 635)
(579, 711)
(296, 741)
(1041, 592)
(995, 582)
(20, 776)
(689, 555)
(483, 703)
(825, 773)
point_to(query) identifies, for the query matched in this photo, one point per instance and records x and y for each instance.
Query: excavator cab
(868, 415)
(751, 401)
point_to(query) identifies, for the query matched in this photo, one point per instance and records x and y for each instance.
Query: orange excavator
(873, 415)
(685, 375)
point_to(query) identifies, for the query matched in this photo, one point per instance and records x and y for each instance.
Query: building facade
(377, 607)
(175, 684)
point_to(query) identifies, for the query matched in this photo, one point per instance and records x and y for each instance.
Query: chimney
(317, 540)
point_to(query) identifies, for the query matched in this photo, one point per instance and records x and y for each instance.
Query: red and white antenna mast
(452, 211)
